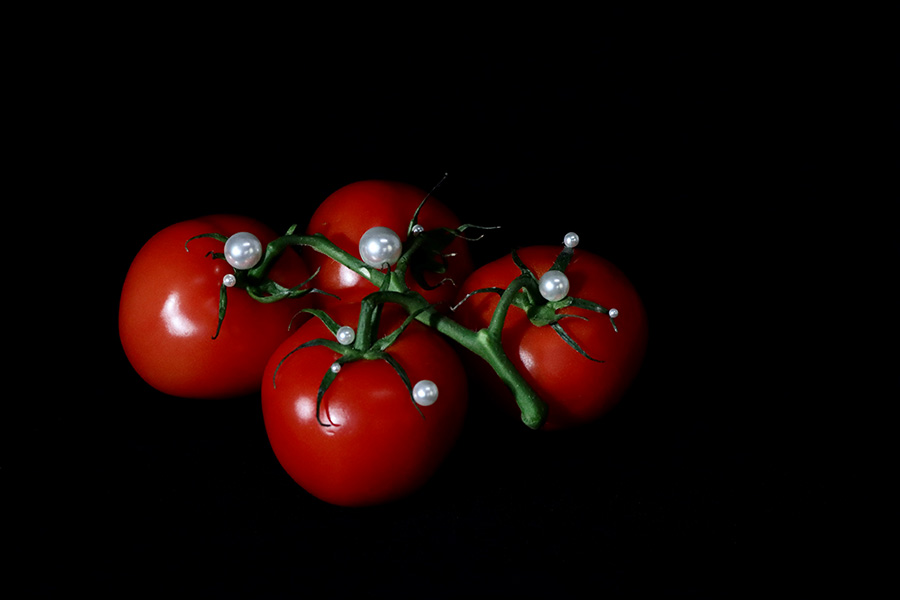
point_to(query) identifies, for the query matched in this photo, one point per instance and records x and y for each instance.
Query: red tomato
(169, 311)
(576, 389)
(374, 446)
(348, 213)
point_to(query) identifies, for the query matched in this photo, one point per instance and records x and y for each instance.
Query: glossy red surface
(169, 309)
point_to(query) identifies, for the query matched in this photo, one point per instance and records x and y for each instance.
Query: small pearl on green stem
(243, 250)
(345, 335)
(380, 246)
(425, 393)
(554, 285)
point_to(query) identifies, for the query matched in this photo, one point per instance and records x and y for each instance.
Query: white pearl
(336, 367)
(345, 335)
(243, 250)
(229, 280)
(613, 313)
(417, 229)
(379, 246)
(425, 393)
(554, 285)
(571, 240)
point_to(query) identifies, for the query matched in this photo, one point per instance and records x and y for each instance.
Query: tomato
(345, 215)
(374, 444)
(169, 312)
(577, 390)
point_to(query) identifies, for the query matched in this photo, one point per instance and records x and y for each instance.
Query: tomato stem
(320, 244)
(484, 343)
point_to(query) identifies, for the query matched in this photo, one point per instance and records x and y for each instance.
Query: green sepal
(402, 373)
(382, 297)
(330, 344)
(415, 217)
(320, 314)
(216, 236)
(522, 266)
(269, 291)
(327, 380)
(571, 342)
(223, 305)
(563, 259)
(459, 230)
(589, 305)
(528, 283)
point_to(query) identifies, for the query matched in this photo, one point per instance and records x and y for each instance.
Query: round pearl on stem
(243, 250)
(380, 246)
(571, 239)
(554, 285)
(229, 280)
(345, 335)
(425, 393)
(336, 367)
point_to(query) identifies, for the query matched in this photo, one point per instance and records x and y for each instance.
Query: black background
(690, 159)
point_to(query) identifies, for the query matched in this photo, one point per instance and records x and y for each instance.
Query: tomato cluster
(363, 394)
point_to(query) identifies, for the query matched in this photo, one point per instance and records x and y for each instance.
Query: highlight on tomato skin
(576, 389)
(368, 443)
(349, 212)
(169, 311)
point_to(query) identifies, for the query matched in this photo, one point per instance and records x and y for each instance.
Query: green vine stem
(484, 343)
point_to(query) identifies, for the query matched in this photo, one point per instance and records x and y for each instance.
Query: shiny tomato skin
(169, 309)
(345, 215)
(377, 447)
(576, 389)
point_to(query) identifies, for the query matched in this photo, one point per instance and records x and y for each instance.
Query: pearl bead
(379, 246)
(229, 280)
(243, 250)
(417, 229)
(613, 313)
(425, 393)
(571, 240)
(345, 335)
(554, 285)
(336, 367)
